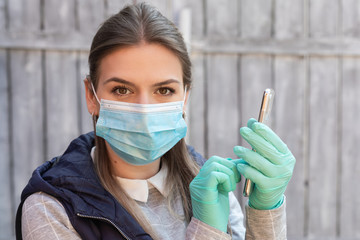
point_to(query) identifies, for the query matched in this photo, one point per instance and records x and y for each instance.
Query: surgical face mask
(140, 133)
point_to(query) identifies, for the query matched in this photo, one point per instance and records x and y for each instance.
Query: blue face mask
(141, 133)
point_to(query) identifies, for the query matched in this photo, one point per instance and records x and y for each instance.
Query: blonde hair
(133, 25)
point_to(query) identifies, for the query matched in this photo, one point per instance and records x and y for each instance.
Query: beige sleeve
(201, 231)
(44, 217)
(266, 224)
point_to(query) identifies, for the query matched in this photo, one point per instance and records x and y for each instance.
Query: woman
(135, 178)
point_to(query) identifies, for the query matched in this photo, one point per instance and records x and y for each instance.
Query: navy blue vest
(93, 212)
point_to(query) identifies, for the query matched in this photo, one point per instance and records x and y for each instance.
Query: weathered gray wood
(27, 116)
(288, 22)
(222, 18)
(24, 15)
(62, 121)
(350, 18)
(323, 18)
(6, 206)
(222, 105)
(289, 77)
(90, 14)
(197, 15)
(59, 16)
(3, 13)
(85, 117)
(114, 6)
(349, 218)
(196, 110)
(256, 76)
(256, 19)
(323, 172)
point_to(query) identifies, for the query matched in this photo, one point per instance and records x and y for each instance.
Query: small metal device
(265, 109)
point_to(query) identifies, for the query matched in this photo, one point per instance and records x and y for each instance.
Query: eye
(121, 90)
(166, 91)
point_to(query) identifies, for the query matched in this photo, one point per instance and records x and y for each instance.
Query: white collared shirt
(138, 189)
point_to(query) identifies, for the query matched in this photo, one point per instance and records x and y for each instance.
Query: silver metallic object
(266, 105)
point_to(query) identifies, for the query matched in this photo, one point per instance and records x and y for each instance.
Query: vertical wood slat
(256, 76)
(6, 207)
(62, 122)
(323, 18)
(288, 19)
(59, 16)
(256, 19)
(27, 116)
(222, 113)
(350, 196)
(221, 137)
(222, 18)
(3, 15)
(196, 116)
(322, 162)
(197, 15)
(61, 101)
(90, 15)
(24, 15)
(323, 147)
(350, 18)
(288, 111)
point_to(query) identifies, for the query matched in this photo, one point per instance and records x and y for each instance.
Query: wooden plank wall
(308, 51)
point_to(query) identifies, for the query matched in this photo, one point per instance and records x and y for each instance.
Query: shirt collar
(138, 189)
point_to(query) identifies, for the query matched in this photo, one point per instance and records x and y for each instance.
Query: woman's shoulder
(44, 215)
(41, 203)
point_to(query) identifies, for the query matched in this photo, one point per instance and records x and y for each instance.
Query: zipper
(106, 220)
(141, 108)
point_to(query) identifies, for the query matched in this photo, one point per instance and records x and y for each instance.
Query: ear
(91, 102)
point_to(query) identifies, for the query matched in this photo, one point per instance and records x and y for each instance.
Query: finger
(259, 162)
(223, 181)
(260, 145)
(253, 174)
(230, 164)
(218, 167)
(250, 122)
(270, 136)
(220, 160)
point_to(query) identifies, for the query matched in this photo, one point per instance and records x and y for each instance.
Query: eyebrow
(119, 80)
(166, 82)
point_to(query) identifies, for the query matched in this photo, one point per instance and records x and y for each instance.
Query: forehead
(141, 63)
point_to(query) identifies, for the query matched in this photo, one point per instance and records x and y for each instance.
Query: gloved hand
(210, 189)
(270, 167)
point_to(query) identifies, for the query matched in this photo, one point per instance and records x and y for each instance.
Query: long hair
(133, 25)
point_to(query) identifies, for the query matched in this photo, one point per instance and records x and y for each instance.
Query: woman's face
(145, 74)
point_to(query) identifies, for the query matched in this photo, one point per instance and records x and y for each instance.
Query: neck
(121, 168)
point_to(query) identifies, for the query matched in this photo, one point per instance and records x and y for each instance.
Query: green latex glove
(270, 167)
(210, 189)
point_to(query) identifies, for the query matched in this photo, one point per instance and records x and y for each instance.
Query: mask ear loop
(184, 112)
(93, 89)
